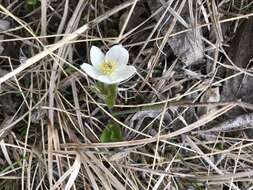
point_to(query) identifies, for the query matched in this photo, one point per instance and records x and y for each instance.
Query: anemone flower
(110, 68)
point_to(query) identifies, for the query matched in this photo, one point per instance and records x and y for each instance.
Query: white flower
(110, 68)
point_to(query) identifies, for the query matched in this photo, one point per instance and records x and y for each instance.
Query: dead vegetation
(186, 116)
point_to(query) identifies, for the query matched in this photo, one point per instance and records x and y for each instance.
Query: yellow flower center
(108, 67)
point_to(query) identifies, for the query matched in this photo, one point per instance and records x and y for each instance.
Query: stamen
(108, 67)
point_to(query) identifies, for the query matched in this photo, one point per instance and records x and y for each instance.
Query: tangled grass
(180, 130)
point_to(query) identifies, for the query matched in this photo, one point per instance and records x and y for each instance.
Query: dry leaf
(188, 46)
(211, 95)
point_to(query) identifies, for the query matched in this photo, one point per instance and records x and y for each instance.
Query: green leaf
(105, 136)
(109, 92)
(110, 101)
(69, 70)
(112, 133)
(111, 95)
(32, 4)
(101, 88)
(116, 134)
(112, 33)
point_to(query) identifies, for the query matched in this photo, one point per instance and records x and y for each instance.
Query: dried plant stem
(238, 123)
(181, 104)
(29, 62)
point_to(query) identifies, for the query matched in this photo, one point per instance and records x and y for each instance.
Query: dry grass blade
(50, 153)
(71, 172)
(184, 130)
(208, 160)
(174, 127)
(29, 62)
(44, 17)
(74, 173)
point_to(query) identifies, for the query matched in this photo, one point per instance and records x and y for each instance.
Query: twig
(160, 105)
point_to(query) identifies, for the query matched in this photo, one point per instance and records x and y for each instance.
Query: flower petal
(96, 56)
(123, 74)
(90, 70)
(105, 79)
(119, 54)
